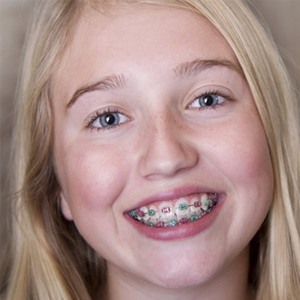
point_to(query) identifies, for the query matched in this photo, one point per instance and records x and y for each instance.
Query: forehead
(142, 35)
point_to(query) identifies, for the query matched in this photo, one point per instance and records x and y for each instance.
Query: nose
(167, 149)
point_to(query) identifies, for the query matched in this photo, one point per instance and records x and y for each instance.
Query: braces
(210, 202)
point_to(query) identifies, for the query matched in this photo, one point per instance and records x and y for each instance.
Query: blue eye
(208, 100)
(106, 120)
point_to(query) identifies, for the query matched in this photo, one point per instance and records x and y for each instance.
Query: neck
(230, 283)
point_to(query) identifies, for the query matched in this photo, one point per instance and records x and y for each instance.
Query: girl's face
(159, 149)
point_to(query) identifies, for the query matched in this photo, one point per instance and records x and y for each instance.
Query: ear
(65, 208)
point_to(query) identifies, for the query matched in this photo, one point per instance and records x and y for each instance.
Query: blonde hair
(44, 265)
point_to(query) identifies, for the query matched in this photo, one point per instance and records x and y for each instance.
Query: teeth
(205, 202)
(166, 210)
(183, 211)
(145, 210)
(154, 213)
(182, 208)
(196, 206)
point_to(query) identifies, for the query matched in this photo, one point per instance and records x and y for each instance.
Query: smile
(177, 212)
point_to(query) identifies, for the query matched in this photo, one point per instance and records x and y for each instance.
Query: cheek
(92, 177)
(244, 154)
(249, 175)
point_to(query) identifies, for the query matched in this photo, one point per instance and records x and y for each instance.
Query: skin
(163, 143)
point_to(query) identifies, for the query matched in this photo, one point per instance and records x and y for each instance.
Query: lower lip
(180, 231)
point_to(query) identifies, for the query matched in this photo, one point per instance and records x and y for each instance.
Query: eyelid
(207, 91)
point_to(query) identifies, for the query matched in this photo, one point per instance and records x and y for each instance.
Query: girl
(157, 155)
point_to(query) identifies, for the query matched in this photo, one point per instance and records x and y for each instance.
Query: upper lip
(172, 194)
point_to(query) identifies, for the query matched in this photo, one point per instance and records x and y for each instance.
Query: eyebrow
(115, 81)
(183, 70)
(198, 65)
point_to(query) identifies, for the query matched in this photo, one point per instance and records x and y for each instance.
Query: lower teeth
(138, 215)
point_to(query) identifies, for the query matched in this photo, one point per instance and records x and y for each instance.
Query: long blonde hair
(44, 263)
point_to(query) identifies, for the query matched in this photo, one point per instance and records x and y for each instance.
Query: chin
(184, 275)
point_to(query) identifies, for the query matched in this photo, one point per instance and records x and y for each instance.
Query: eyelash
(114, 111)
(216, 93)
(101, 114)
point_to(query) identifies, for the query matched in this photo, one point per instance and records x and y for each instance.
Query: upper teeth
(185, 208)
